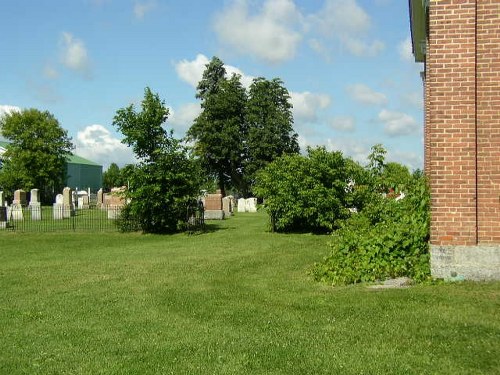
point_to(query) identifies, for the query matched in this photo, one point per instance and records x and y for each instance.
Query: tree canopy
(239, 132)
(36, 154)
(219, 130)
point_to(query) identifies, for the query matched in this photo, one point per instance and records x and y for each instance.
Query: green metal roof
(71, 159)
(75, 159)
(418, 26)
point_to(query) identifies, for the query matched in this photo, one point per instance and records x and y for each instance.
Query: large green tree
(270, 125)
(36, 153)
(164, 181)
(239, 132)
(219, 131)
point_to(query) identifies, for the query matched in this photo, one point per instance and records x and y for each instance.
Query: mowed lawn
(234, 300)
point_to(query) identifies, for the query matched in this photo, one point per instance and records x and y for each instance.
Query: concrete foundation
(479, 262)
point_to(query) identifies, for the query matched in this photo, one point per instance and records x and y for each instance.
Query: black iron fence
(47, 219)
(89, 219)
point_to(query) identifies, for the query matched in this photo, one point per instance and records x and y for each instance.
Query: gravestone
(19, 197)
(35, 205)
(213, 206)
(68, 205)
(16, 212)
(242, 204)
(100, 200)
(115, 201)
(251, 205)
(83, 200)
(58, 207)
(226, 206)
(3, 212)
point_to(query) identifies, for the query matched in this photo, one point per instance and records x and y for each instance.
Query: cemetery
(230, 251)
(80, 210)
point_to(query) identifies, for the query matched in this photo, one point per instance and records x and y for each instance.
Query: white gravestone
(242, 205)
(58, 207)
(251, 205)
(34, 205)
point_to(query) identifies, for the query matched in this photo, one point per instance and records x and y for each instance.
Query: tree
(270, 125)
(165, 181)
(219, 131)
(112, 177)
(37, 152)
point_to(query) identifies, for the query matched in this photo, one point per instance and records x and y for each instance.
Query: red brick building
(459, 43)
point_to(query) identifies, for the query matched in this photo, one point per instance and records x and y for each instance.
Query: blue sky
(346, 63)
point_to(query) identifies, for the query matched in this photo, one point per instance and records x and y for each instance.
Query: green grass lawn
(234, 300)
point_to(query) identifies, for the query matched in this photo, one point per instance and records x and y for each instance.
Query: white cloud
(306, 105)
(348, 23)
(405, 49)
(182, 119)
(343, 123)
(96, 143)
(397, 123)
(142, 8)
(354, 148)
(191, 72)
(269, 35)
(8, 109)
(343, 16)
(359, 47)
(74, 55)
(365, 95)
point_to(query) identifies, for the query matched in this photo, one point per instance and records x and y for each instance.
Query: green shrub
(304, 193)
(386, 239)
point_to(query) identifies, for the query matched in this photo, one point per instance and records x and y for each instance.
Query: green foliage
(270, 125)
(385, 239)
(238, 133)
(304, 193)
(36, 154)
(219, 131)
(112, 177)
(164, 182)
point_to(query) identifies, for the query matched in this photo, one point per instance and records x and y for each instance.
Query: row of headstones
(218, 207)
(63, 207)
(15, 210)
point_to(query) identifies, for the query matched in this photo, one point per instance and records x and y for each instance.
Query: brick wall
(462, 121)
(488, 120)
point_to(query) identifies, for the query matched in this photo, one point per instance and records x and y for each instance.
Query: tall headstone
(3, 212)
(100, 198)
(19, 197)
(68, 205)
(58, 207)
(242, 204)
(227, 206)
(35, 205)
